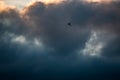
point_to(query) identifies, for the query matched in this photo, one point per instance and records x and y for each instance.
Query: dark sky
(36, 43)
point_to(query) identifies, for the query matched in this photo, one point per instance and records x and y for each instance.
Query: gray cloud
(49, 23)
(38, 38)
(84, 17)
(112, 50)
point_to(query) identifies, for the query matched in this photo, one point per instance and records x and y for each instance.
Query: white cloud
(19, 39)
(23, 40)
(38, 43)
(94, 45)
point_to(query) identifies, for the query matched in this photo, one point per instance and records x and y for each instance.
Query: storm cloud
(50, 23)
(38, 39)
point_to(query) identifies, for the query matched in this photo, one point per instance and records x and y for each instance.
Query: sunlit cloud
(20, 4)
(19, 39)
(100, 1)
(5, 7)
(51, 1)
(94, 45)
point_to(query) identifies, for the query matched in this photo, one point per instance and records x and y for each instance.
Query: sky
(59, 40)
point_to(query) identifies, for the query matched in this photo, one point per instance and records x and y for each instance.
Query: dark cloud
(11, 21)
(52, 25)
(112, 50)
(52, 21)
(22, 33)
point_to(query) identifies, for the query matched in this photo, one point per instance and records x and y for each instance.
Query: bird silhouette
(69, 24)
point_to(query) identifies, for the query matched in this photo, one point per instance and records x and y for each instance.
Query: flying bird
(69, 24)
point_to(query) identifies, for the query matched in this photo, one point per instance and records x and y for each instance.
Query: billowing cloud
(39, 38)
(49, 23)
